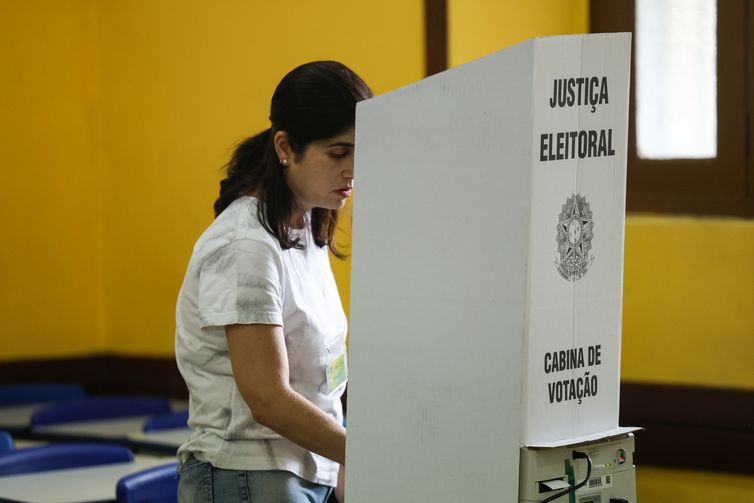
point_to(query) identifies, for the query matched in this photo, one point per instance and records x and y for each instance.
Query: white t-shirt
(238, 273)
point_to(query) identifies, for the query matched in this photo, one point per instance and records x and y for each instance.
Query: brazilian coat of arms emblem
(575, 233)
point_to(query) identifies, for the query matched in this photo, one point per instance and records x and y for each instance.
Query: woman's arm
(260, 367)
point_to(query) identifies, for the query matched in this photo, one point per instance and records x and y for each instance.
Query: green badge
(337, 372)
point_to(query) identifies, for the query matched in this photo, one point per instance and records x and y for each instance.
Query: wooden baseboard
(685, 426)
(103, 374)
(691, 426)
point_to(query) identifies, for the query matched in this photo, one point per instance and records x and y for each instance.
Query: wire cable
(572, 489)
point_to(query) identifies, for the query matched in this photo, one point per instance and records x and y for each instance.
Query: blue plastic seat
(6, 442)
(154, 485)
(90, 409)
(167, 421)
(19, 394)
(59, 456)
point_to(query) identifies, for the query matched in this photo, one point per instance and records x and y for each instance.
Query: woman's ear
(282, 147)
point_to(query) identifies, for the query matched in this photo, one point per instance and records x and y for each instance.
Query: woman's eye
(339, 154)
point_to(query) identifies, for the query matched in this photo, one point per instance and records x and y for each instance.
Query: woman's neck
(298, 218)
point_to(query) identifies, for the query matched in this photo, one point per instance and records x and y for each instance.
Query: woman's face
(322, 175)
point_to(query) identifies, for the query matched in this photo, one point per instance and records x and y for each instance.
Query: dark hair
(314, 101)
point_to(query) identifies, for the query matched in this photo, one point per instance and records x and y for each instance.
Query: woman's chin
(336, 204)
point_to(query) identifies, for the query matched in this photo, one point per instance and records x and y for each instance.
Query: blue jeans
(203, 483)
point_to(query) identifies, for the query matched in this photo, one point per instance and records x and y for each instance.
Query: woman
(260, 337)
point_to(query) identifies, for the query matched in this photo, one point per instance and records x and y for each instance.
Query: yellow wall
(479, 27)
(688, 308)
(183, 82)
(661, 485)
(119, 116)
(51, 294)
(688, 318)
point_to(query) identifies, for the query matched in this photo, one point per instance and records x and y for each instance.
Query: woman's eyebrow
(341, 144)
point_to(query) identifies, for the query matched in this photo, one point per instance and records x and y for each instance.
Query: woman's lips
(344, 192)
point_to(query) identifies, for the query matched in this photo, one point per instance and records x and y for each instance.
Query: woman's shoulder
(238, 222)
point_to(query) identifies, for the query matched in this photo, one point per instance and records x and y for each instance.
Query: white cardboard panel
(601, 301)
(456, 295)
(439, 239)
(586, 312)
(592, 437)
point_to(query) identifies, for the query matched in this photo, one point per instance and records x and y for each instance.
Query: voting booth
(487, 269)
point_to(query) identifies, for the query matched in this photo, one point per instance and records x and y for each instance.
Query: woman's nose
(348, 171)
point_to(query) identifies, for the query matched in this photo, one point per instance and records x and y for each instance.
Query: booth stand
(594, 471)
(487, 271)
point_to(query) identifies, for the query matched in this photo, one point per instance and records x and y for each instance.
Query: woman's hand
(340, 489)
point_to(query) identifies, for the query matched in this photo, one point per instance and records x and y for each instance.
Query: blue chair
(19, 394)
(154, 485)
(59, 456)
(91, 409)
(167, 421)
(6, 442)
